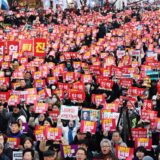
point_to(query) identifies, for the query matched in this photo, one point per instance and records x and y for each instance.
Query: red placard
(40, 107)
(86, 78)
(109, 124)
(112, 106)
(155, 124)
(106, 84)
(4, 96)
(13, 142)
(54, 114)
(1, 48)
(13, 100)
(88, 126)
(126, 82)
(52, 80)
(146, 142)
(63, 86)
(39, 83)
(31, 98)
(39, 47)
(124, 152)
(53, 133)
(139, 133)
(69, 76)
(59, 93)
(148, 115)
(98, 98)
(39, 134)
(12, 47)
(78, 86)
(148, 105)
(76, 95)
(26, 45)
(106, 72)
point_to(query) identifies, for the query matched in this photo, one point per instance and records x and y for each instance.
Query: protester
(81, 83)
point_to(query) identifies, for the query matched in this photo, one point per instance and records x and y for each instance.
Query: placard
(53, 133)
(124, 152)
(145, 142)
(88, 126)
(68, 151)
(139, 133)
(17, 155)
(90, 114)
(69, 112)
(39, 47)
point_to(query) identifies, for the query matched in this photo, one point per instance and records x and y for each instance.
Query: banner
(68, 151)
(90, 114)
(124, 153)
(39, 47)
(12, 47)
(145, 142)
(53, 133)
(69, 112)
(88, 126)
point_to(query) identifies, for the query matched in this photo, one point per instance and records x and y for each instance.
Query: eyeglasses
(105, 146)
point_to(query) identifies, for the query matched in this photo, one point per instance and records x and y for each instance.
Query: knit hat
(147, 158)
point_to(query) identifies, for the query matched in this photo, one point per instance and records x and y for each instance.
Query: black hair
(48, 120)
(82, 149)
(29, 150)
(49, 153)
(15, 122)
(28, 139)
(140, 149)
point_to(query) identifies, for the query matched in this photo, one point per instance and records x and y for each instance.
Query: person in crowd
(140, 153)
(117, 140)
(29, 144)
(106, 150)
(2, 154)
(28, 154)
(81, 154)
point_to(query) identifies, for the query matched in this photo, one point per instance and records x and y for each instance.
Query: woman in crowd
(29, 144)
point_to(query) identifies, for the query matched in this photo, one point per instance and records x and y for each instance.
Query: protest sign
(69, 112)
(124, 152)
(88, 126)
(68, 151)
(139, 133)
(39, 47)
(90, 114)
(17, 155)
(145, 142)
(53, 133)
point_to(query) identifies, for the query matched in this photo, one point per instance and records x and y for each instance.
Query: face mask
(54, 100)
(154, 103)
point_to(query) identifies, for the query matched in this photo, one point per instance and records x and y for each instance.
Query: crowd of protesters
(99, 61)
